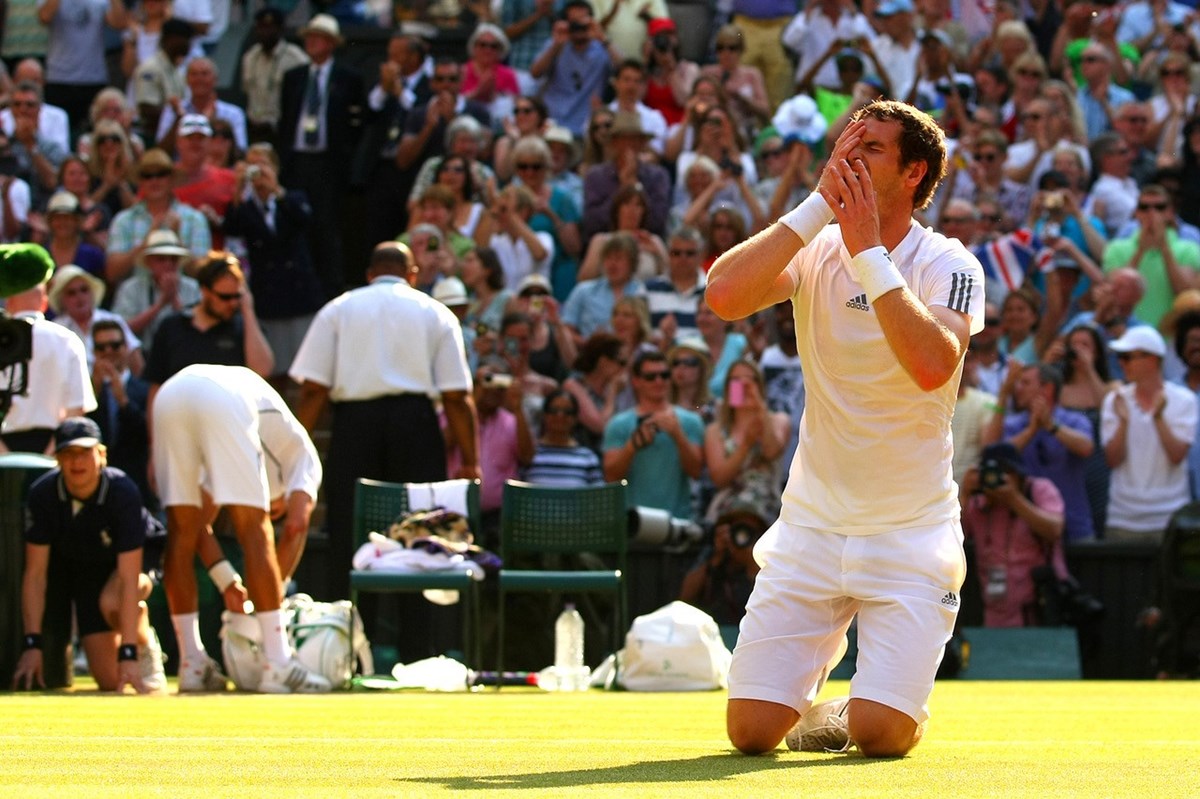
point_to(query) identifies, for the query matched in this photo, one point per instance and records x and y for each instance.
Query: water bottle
(569, 670)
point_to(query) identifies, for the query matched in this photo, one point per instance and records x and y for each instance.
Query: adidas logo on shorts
(858, 303)
(950, 600)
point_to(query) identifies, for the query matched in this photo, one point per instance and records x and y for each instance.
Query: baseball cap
(938, 34)
(533, 280)
(63, 202)
(889, 7)
(77, 431)
(660, 25)
(1141, 338)
(194, 123)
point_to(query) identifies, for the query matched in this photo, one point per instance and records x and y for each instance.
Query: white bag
(327, 637)
(676, 648)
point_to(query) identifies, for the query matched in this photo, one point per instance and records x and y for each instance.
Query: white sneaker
(150, 664)
(822, 729)
(202, 676)
(291, 678)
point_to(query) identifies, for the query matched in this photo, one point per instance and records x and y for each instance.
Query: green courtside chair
(565, 521)
(377, 504)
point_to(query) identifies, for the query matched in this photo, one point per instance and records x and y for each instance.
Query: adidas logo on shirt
(950, 600)
(859, 303)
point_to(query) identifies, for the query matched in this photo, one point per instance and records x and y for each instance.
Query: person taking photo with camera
(1013, 519)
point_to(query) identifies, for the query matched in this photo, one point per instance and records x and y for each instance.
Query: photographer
(720, 581)
(1013, 520)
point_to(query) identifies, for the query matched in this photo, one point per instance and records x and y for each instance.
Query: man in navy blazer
(322, 106)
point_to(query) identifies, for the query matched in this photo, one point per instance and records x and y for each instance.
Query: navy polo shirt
(95, 530)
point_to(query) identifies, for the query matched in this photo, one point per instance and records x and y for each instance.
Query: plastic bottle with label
(569, 673)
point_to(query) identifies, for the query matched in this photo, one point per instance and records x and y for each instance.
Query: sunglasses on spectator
(223, 134)
(227, 297)
(1091, 59)
(25, 103)
(560, 411)
(530, 167)
(459, 168)
(1030, 73)
(992, 321)
(678, 253)
(1032, 116)
(534, 293)
(155, 174)
(690, 362)
(108, 346)
(987, 157)
(108, 138)
(956, 220)
(525, 109)
(1152, 206)
(1172, 73)
(728, 47)
(1129, 356)
(650, 376)
(490, 44)
(773, 153)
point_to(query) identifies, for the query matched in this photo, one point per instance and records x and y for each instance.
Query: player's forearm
(751, 276)
(927, 349)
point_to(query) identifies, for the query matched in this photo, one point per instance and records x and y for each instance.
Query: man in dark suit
(319, 127)
(403, 85)
(425, 130)
(121, 409)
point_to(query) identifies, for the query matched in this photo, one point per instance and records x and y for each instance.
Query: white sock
(275, 642)
(187, 634)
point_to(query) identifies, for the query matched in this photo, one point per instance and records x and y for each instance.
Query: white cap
(1141, 338)
(450, 291)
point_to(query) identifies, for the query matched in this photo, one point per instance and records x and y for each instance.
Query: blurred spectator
(73, 177)
(556, 212)
(64, 238)
(718, 140)
(53, 122)
(565, 155)
(428, 127)
(222, 328)
(433, 260)
(725, 228)
(1013, 520)
(515, 348)
(58, 378)
(24, 36)
(529, 118)
(1147, 427)
(1028, 72)
(596, 139)
(691, 365)
(121, 398)
(1145, 23)
(674, 296)
(1010, 38)
(110, 168)
(319, 125)
(454, 173)
(725, 346)
(940, 89)
(505, 229)
(157, 210)
(223, 151)
(630, 209)
(139, 41)
(630, 28)
(722, 577)
(199, 184)
(465, 138)
(263, 64)
(762, 26)
(987, 176)
(158, 81)
(1098, 95)
(669, 77)
(75, 63)
(403, 85)
(1054, 442)
(1113, 196)
(785, 175)
(1132, 122)
(782, 374)
(272, 221)
(630, 323)
(973, 413)
(111, 105)
(629, 87)
(589, 307)
(551, 348)
(623, 166)
(597, 380)
(896, 44)
(655, 445)
(485, 78)
(574, 66)
(37, 158)
(743, 445)
(991, 363)
(438, 206)
(1187, 347)
(1046, 127)
(822, 26)
(1167, 263)
(742, 82)
(75, 297)
(201, 98)
(527, 24)
(1019, 316)
(560, 460)
(1171, 107)
(484, 277)
(158, 288)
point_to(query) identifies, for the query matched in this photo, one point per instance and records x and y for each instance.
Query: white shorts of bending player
(904, 587)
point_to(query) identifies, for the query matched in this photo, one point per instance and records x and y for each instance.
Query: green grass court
(986, 739)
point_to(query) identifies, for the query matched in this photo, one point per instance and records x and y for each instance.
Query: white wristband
(876, 272)
(223, 575)
(808, 218)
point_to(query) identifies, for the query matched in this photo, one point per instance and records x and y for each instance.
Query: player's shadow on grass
(695, 769)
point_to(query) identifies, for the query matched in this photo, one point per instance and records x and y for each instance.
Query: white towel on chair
(448, 494)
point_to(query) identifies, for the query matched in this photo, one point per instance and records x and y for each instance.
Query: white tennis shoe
(150, 665)
(822, 729)
(201, 676)
(291, 678)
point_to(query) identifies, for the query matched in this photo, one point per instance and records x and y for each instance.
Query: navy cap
(77, 431)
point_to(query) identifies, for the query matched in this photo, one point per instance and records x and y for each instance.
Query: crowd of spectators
(564, 177)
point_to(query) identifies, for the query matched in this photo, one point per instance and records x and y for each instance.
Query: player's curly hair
(920, 140)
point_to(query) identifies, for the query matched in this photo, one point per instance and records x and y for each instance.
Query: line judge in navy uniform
(319, 126)
(84, 545)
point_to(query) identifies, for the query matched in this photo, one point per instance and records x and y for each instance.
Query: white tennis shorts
(204, 433)
(904, 587)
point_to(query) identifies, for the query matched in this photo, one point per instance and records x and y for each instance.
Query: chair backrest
(378, 503)
(564, 520)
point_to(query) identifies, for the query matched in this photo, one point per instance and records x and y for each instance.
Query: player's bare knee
(750, 740)
(882, 734)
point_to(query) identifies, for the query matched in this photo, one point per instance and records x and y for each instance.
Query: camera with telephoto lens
(497, 380)
(253, 171)
(16, 340)
(742, 535)
(991, 474)
(654, 528)
(577, 27)
(732, 167)
(662, 42)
